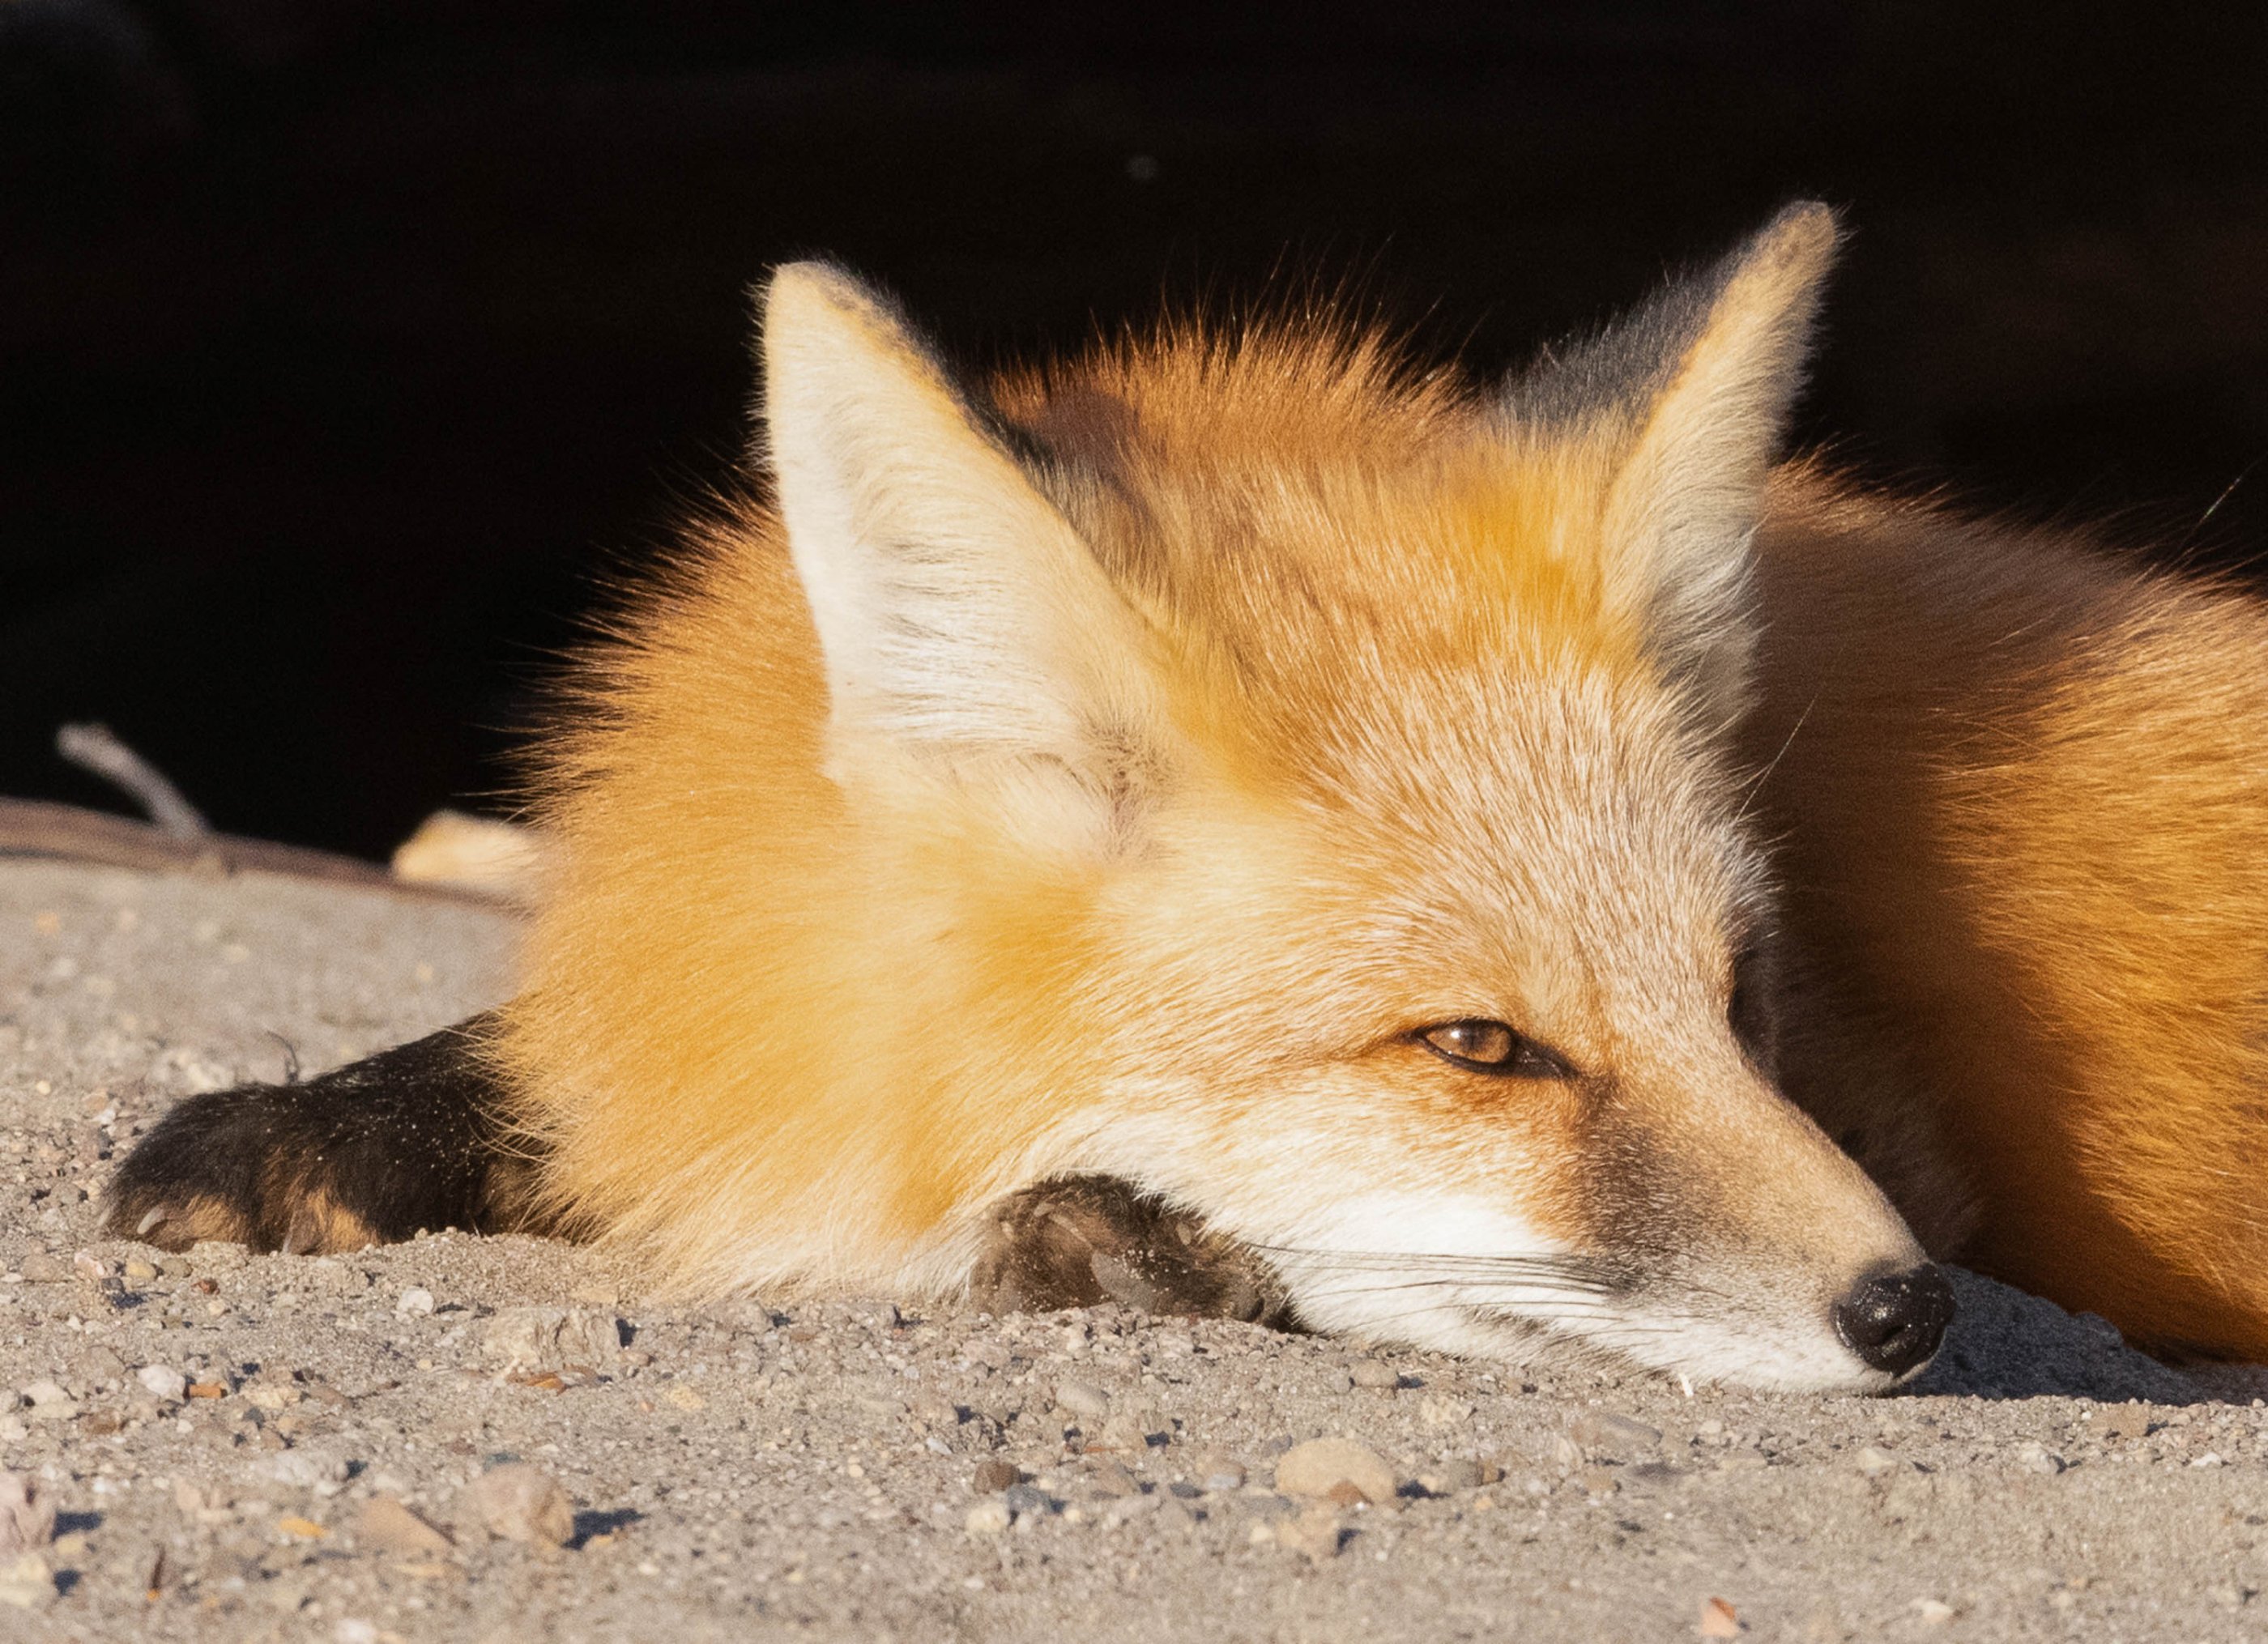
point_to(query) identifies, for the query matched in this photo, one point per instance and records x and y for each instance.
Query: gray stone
(520, 1502)
(553, 1338)
(1083, 1399)
(1028, 1501)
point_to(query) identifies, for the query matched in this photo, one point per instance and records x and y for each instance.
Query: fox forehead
(1278, 489)
(1391, 595)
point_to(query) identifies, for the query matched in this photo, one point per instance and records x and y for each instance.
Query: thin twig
(96, 748)
(39, 827)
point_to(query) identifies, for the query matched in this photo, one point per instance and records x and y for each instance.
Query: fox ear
(961, 617)
(1689, 396)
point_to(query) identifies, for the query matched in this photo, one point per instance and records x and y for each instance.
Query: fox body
(1460, 857)
(2023, 797)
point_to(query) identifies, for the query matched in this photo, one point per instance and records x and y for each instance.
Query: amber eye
(1492, 1047)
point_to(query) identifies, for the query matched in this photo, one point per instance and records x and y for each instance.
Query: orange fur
(2025, 794)
(1119, 778)
(1114, 775)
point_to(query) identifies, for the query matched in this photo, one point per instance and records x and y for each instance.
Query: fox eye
(1493, 1048)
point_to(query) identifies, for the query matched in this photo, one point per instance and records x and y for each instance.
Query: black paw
(1083, 1240)
(371, 1153)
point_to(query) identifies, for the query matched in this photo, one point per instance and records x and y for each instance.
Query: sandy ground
(213, 1430)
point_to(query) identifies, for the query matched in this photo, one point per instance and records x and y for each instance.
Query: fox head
(1305, 793)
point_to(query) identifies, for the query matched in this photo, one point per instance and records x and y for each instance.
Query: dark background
(343, 342)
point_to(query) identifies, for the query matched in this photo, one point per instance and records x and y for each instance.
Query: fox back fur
(2022, 796)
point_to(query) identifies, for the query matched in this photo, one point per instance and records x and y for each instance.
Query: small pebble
(28, 1514)
(2125, 1421)
(2034, 1456)
(992, 1476)
(1872, 1459)
(1114, 1478)
(39, 1267)
(1602, 1429)
(1319, 1467)
(316, 1469)
(27, 1582)
(415, 1300)
(1934, 1612)
(1217, 1473)
(519, 1501)
(1446, 1478)
(1370, 1373)
(387, 1525)
(989, 1517)
(548, 1338)
(48, 1402)
(1316, 1533)
(1028, 1501)
(1083, 1399)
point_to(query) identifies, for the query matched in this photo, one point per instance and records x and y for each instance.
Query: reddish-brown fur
(1122, 777)
(1127, 797)
(2023, 792)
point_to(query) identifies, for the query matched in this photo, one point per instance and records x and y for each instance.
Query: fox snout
(1894, 1321)
(1787, 1263)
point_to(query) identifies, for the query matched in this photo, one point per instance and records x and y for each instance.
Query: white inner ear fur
(1685, 500)
(962, 622)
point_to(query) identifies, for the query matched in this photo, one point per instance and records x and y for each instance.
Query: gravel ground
(270, 1448)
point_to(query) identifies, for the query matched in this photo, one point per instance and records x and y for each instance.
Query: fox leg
(414, 1137)
(420, 1136)
(1082, 1240)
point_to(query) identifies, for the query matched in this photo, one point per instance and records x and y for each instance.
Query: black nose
(1894, 1320)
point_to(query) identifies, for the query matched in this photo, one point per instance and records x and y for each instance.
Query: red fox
(1233, 823)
